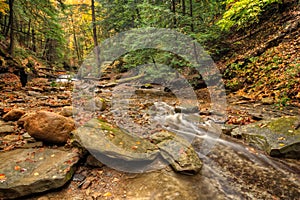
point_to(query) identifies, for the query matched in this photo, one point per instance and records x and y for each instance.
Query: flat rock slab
(28, 171)
(114, 147)
(278, 137)
(127, 152)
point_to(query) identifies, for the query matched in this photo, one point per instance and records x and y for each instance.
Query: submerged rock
(278, 137)
(28, 171)
(49, 127)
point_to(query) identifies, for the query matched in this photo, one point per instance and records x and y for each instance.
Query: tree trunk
(33, 41)
(97, 49)
(183, 7)
(4, 25)
(174, 12)
(75, 40)
(191, 15)
(11, 22)
(28, 34)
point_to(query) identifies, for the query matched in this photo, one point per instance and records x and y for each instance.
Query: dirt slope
(264, 61)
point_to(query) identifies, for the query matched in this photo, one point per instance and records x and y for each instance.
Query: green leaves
(243, 13)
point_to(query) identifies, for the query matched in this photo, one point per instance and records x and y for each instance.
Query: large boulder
(13, 115)
(278, 137)
(128, 152)
(49, 127)
(28, 171)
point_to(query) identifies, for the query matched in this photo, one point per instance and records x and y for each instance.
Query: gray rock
(28, 171)
(114, 147)
(178, 152)
(95, 104)
(6, 129)
(33, 93)
(277, 137)
(92, 161)
(124, 151)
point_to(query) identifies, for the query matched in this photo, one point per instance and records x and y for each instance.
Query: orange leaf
(2, 177)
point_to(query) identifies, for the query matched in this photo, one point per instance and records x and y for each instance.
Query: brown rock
(13, 115)
(49, 127)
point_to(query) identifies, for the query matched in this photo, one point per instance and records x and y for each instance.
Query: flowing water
(231, 170)
(236, 170)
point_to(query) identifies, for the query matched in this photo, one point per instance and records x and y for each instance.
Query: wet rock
(124, 151)
(114, 147)
(277, 137)
(178, 152)
(49, 127)
(192, 109)
(6, 129)
(13, 115)
(68, 111)
(96, 104)
(28, 171)
(165, 184)
(154, 92)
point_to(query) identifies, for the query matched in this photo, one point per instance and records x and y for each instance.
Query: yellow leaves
(77, 2)
(3, 7)
(107, 194)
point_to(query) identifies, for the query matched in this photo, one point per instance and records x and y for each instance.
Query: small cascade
(237, 170)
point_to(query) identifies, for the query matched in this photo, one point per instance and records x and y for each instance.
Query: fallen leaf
(2, 176)
(134, 147)
(107, 194)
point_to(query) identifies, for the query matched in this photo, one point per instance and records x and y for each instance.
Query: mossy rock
(179, 153)
(114, 147)
(278, 137)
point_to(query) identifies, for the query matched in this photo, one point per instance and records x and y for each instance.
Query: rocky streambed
(149, 147)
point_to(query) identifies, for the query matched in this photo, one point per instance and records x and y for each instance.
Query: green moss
(284, 125)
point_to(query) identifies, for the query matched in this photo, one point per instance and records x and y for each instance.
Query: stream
(231, 169)
(236, 170)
